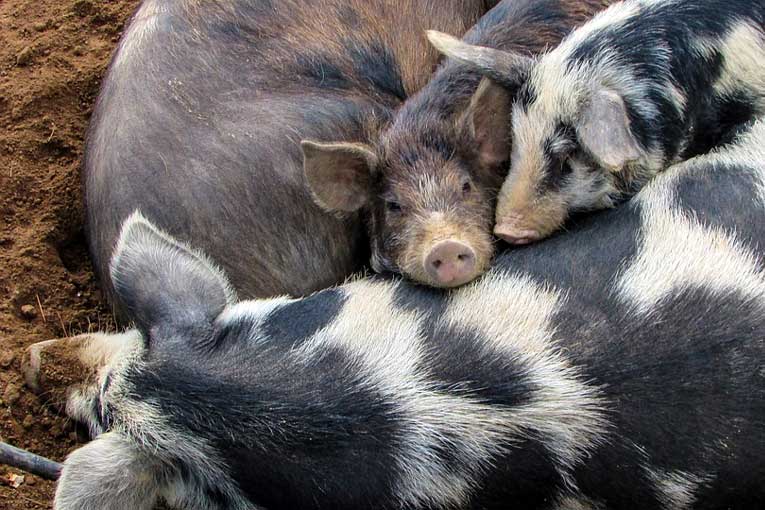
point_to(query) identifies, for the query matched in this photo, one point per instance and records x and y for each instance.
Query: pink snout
(515, 235)
(451, 263)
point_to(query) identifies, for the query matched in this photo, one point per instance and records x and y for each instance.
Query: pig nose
(451, 263)
(516, 235)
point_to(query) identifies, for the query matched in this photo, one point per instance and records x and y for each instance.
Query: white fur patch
(107, 473)
(675, 489)
(575, 503)
(387, 343)
(253, 311)
(743, 50)
(513, 314)
(677, 252)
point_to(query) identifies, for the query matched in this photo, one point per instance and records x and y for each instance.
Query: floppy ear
(505, 67)
(339, 174)
(166, 287)
(487, 121)
(604, 131)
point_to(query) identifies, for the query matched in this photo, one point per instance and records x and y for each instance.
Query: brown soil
(53, 54)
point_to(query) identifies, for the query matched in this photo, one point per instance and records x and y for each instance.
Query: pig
(642, 86)
(427, 184)
(568, 377)
(204, 104)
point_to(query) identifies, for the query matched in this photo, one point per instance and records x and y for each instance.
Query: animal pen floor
(53, 54)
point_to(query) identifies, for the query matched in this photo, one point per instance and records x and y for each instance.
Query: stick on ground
(29, 462)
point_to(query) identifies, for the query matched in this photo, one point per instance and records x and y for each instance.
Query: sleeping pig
(643, 85)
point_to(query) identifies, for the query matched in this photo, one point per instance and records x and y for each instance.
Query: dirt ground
(53, 54)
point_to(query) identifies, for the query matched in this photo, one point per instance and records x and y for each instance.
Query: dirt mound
(53, 54)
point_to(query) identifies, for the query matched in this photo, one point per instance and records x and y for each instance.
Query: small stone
(28, 312)
(40, 26)
(24, 57)
(7, 359)
(83, 8)
(29, 420)
(30, 480)
(57, 431)
(11, 395)
(15, 480)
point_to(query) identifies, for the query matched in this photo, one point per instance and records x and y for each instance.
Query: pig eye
(467, 188)
(393, 206)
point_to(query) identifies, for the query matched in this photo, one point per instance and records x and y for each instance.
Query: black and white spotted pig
(568, 377)
(645, 84)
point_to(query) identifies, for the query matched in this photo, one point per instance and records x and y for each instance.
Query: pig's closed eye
(393, 206)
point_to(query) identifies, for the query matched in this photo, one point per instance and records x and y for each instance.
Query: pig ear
(339, 174)
(604, 131)
(165, 286)
(506, 67)
(487, 121)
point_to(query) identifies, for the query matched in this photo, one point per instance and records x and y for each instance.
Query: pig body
(427, 184)
(200, 116)
(643, 85)
(568, 377)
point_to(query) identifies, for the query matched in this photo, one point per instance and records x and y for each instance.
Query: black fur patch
(322, 71)
(737, 208)
(375, 63)
(297, 321)
(288, 429)
(665, 374)
(420, 298)
(583, 258)
(482, 372)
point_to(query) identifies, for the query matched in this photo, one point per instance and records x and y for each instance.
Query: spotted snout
(451, 263)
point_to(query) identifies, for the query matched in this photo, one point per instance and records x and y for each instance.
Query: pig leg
(108, 473)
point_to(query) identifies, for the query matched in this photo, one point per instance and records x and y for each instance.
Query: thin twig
(39, 304)
(63, 326)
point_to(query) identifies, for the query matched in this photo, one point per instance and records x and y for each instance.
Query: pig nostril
(437, 263)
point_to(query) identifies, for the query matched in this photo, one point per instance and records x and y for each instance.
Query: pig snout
(451, 263)
(514, 235)
(511, 228)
